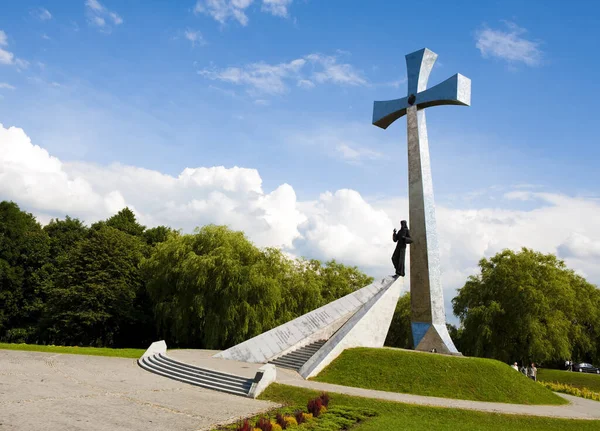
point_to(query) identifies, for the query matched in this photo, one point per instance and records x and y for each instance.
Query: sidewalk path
(579, 408)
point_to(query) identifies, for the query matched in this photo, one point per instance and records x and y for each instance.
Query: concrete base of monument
(432, 337)
(310, 342)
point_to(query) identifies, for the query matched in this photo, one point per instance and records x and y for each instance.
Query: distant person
(515, 366)
(570, 368)
(533, 372)
(524, 370)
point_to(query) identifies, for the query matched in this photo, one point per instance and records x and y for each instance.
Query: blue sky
(285, 87)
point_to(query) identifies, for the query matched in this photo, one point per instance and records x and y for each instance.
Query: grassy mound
(397, 416)
(577, 380)
(395, 370)
(96, 351)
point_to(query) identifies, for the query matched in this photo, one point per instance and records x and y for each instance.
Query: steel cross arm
(455, 90)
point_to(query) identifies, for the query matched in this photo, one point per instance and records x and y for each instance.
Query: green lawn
(578, 380)
(396, 370)
(397, 416)
(97, 351)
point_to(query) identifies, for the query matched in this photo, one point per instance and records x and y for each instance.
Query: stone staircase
(297, 358)
(161, 364)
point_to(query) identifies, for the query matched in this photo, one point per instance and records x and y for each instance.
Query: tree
(24, 273)
(94, 301)
(64, 235)
(400, 333)
(124, 221)
(156, 234)
(212, 289)
(528, 306)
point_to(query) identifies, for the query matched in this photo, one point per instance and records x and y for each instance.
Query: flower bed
(317, 416)
(571, 390)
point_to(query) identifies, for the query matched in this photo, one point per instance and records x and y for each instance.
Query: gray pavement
(47, 391)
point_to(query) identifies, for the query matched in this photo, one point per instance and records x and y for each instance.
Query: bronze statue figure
(401, 238)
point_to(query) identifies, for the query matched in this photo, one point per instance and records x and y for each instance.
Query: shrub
(324, 399)
(299, 415)
(307, 416)
(571, 390)
(276, 427)
(281, 421)
(264, 424)
(314, 407)
(244, 426)
(291, 421)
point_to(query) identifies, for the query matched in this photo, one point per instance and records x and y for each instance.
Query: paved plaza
(48, 391)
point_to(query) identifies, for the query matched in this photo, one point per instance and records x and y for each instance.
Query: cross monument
(428, 316)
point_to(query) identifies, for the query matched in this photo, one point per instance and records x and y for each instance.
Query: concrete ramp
(360, 319)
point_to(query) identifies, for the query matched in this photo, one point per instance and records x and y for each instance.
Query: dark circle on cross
(411, 99)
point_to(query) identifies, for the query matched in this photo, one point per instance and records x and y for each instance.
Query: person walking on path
(533, 372)
(515, 366)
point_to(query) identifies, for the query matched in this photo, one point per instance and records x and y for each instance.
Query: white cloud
(332, 71)
(101, 17)
(343, 224)
(305, 83)
(356, 153)
(224, 10)
(195, 37)
(508, 45)
(277, 7)
(7, 57)
(274, 78)
(4, 85)
(41, 13)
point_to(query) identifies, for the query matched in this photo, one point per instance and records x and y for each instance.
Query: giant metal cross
(428, 316)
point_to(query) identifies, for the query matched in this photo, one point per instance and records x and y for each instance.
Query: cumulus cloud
(509, 45)
(6, 86)
(341, 225)
(225, 10)
(101, 17)
(264, 78)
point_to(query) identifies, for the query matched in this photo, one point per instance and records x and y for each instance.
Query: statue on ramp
(402, 239)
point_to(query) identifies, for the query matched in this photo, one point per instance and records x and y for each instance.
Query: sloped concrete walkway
(579, 408)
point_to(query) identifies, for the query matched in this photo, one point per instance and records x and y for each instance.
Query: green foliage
(92, 351)
(435, 375)
(388, 415)
(526, 307)
(571, 390)
(64, 235)
(69, 284)
(400, 333)
(574, 379)
(24, 272)
(157, 234)
(93, 302)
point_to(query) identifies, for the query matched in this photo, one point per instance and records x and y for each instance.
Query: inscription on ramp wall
(319, 323)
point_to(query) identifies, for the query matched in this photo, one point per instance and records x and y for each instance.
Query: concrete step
(163, 365)
(220, 374)
(296, 359)
(288, 362)
(204, 377)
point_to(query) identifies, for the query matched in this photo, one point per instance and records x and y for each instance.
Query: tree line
(119, 284)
